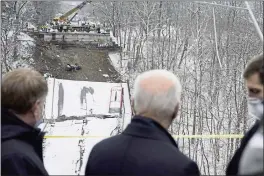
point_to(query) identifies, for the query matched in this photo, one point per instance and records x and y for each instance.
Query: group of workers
(144, 148)
(68, 27)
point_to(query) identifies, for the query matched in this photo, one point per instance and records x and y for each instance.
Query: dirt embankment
(95, 65)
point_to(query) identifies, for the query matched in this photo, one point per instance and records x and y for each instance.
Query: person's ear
(133, 106)
(176, 110)
(132, 103)
(35, 108)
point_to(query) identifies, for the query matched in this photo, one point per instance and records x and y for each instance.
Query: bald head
(157, 94)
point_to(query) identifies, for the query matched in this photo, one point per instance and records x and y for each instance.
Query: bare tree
(207, 47)
(15, 15)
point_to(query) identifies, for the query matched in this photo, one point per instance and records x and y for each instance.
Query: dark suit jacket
(232, 168)
(144, 148)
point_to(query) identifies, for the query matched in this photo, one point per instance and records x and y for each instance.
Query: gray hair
(160, 103)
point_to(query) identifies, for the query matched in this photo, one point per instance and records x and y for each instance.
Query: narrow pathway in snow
(46, 143)
(79, 163)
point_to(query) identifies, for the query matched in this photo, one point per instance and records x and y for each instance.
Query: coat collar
(147, 128)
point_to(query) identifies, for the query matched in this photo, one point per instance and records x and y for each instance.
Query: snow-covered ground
(68, 156)
(115, 61)
(124, 67)
(69, 142)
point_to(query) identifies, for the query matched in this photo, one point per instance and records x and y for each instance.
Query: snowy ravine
(65, 155)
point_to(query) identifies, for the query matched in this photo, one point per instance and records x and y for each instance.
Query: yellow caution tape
(207, 136)
(210, 136)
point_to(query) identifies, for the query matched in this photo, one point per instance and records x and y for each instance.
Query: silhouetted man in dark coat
(23, 93)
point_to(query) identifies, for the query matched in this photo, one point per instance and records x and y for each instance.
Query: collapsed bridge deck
(80, 98)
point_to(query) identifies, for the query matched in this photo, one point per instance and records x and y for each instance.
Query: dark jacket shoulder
(20, 164)
(21, 149)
